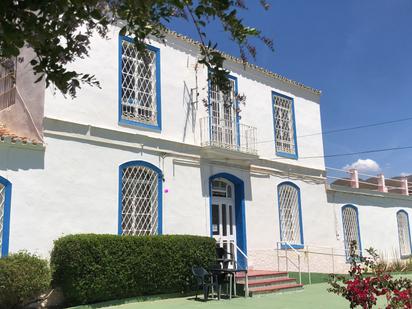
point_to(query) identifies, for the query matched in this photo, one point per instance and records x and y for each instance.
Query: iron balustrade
(228, 134)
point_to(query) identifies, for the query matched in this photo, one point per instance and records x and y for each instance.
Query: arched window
(351, 231)
(5, 197)
(140, 201)
(290, 215)
(404, 233)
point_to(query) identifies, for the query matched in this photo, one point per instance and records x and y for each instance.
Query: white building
(158, 150)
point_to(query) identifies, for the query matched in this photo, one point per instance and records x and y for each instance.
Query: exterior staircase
(266, 281)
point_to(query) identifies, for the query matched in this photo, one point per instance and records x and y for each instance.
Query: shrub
(92, 268)
(368, 281)
(23, 277)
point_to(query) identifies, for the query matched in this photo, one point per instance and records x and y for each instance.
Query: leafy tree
(59, 31)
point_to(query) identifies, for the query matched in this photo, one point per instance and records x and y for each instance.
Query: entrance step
(264, 281)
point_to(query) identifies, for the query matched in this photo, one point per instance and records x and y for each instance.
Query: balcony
(226, 138)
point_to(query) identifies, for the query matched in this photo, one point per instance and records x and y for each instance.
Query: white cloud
(367, 165)
(403, 174)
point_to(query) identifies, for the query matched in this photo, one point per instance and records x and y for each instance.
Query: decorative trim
(240, 213)
(281, 153)
(409, 232)
(121, 121)
(159, 193)
(6, 216)
(302, 244)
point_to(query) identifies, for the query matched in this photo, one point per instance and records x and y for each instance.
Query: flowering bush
(368, 281)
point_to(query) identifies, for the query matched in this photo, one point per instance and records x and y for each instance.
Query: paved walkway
(313, 296)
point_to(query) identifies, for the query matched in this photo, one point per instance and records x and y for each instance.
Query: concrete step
(275, 289)
(267, 282)
(261, 275)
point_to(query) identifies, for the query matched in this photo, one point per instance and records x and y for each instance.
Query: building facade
(160, 150)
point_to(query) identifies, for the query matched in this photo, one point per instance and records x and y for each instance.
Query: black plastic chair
(204, 280)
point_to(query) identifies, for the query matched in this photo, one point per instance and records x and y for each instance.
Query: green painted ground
(312, 297)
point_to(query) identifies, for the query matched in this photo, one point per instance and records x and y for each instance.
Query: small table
(231, 272)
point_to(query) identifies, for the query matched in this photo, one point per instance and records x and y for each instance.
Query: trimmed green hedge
(23, 277)
(91, 268)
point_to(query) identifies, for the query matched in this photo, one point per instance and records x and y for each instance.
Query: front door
(223, 215)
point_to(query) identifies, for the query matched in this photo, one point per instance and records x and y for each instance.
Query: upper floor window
(223, 116)
(140, 199)
(404, 233)
(7, 83)
(139, 85)
(290, 215)
(351, 231)
(5, 196)
(284, 124)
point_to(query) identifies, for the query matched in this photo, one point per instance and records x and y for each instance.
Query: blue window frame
(139, 86)
(404, 234)
(5, 204)
(224, 124)
(140, 199)
(351, 228)
(284, 126)
(290, 215)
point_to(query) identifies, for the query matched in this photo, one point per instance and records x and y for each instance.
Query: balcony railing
(227, 134)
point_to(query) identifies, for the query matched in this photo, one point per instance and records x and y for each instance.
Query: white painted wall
(180, 120)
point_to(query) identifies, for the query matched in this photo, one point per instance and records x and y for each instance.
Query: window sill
(135, 124)
(287, 155)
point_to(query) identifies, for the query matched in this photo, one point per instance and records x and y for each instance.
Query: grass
(313, 296)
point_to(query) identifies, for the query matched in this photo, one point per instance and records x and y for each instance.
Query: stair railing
(285, 246)
(246, 270)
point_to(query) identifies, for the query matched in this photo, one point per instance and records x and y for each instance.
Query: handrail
(288, 259)
(246, 269)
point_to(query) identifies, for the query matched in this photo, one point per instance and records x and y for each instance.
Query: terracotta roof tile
(6, 133)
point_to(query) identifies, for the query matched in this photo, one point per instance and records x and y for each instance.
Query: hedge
(92, 268)
(23, 278)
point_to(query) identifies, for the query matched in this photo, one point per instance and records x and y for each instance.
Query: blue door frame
(239, 214)
(6, 217)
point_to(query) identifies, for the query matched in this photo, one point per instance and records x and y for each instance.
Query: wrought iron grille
(350, 228)
(139, 101)
(139, 201)
(403, 232)
(289, 214)
(7, 83)
(284, 126)
(2, 202)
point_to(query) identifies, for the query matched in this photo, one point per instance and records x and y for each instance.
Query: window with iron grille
(284, 123)
(404, 233)
(140, 204)
(140, 85)
(290, 215)
(7, 83)
(351, 231)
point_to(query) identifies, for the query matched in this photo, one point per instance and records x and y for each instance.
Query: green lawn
(312, 296)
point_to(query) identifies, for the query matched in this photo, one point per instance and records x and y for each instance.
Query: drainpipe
(354, 178)
(381, 183)
(404, 185)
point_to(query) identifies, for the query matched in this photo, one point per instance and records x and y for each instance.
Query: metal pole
(300, 272)
(287, 259)
(310, 277)
(246, 284)
(333, 262)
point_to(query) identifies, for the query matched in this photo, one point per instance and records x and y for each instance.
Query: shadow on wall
(18, 158)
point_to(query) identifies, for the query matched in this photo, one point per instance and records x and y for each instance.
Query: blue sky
(359, 53)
